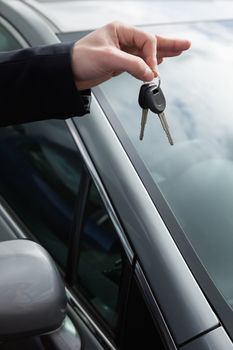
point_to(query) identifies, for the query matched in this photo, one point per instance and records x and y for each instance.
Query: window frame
(91, 172)
(135, 267)
(74, 255)
(153, 307)
(76, 227)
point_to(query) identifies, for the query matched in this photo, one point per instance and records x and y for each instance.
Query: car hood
(74, 15)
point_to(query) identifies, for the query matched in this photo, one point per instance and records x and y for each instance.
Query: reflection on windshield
(195, 175)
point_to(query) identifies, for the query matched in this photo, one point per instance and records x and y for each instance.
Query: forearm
(38, 84)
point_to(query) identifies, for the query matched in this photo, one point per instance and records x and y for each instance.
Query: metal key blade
(165, 127)
(143, 122)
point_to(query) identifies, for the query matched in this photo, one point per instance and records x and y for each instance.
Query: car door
(50, 196)
(33, 188)
(59, 204)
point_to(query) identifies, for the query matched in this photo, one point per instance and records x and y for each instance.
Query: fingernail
(149, 74)
(155, 70)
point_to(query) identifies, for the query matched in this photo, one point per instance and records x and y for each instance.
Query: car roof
(75, 15)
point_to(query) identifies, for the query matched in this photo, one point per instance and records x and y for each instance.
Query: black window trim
(127, 250)
(77, 226)
(153, 307)
(88, 319)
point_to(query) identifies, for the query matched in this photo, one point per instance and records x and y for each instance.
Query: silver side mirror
(32, 294)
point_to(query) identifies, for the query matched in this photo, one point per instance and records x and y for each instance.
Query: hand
(117, 48)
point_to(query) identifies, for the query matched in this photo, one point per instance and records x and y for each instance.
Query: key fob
(151, 96)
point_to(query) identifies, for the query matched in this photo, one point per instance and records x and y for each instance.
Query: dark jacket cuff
(37, 83)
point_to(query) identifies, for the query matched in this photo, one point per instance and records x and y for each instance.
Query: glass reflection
(196, 174)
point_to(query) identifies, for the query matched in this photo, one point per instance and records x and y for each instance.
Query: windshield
(195, 176)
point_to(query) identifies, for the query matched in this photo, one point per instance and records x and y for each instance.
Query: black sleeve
(37, 83)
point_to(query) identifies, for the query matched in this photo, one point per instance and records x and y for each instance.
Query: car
(140, 230)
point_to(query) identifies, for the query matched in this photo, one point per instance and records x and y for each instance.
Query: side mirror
(32, 294)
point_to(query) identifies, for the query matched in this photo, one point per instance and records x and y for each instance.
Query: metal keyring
(154, 81)
(159, 80)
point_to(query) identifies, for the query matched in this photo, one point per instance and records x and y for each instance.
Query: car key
(165, 126)
(143, 122)
(151, 97)
(157, 104)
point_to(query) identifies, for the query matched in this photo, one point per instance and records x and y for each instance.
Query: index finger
(167, 44)
(144, 42)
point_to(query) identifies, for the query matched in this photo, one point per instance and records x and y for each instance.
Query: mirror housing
(32, 294)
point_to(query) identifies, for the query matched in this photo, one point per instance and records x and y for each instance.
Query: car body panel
(163, 264)
(214, 340)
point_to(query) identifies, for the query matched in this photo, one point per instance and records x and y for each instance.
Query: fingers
(143, 42)
(117, 48)
(134, 65)
(149, 47)
(162, 54)
(172, 45)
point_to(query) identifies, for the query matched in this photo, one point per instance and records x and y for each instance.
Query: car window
(101, 261)
(7, 40)
(40, 180)
(195, 176)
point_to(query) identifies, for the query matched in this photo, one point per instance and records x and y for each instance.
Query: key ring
(154, 81)
(158, 79)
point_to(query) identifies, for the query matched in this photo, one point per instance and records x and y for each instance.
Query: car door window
(101, 261)
(40, 180)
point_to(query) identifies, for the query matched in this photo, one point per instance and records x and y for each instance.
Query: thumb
(134, 65)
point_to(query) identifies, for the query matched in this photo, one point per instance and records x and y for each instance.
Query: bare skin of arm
(117, 48)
